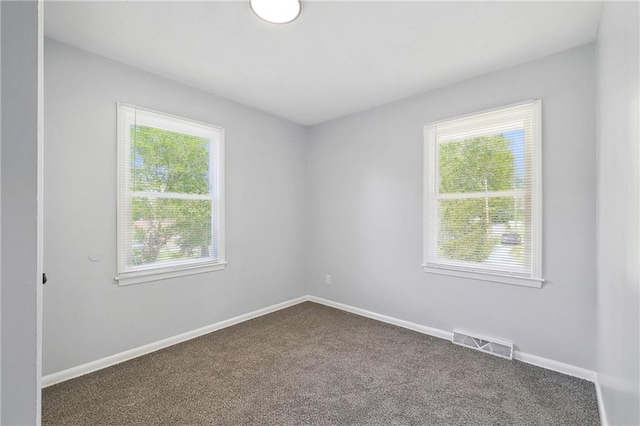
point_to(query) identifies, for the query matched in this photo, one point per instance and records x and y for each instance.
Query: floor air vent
(483, 344)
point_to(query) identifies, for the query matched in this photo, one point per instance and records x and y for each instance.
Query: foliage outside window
(170, 196)
(483, 196)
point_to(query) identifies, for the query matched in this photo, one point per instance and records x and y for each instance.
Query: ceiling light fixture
(276, 11)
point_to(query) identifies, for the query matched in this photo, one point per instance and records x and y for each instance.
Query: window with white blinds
(170, 196)
(483, 196)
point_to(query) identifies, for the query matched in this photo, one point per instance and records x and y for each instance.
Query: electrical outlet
(327, 279)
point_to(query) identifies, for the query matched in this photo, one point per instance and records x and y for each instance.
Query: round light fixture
(276, 11)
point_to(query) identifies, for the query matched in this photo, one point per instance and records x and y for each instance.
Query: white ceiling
(336, 59)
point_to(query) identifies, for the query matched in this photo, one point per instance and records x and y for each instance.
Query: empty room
(320, 213)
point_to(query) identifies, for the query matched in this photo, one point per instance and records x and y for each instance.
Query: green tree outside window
(477, 165)
(169, 228)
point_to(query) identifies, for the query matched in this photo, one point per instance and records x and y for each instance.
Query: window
(170, 196)
(483, 196)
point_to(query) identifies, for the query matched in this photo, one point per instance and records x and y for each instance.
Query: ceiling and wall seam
(338, 58)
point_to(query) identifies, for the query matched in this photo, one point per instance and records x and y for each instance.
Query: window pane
(482, 201)
(490, 231)
(165, 161)
(167, 230)
(487, 163)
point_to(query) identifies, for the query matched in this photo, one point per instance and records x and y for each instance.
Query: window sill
(129, 278)
(485, 276)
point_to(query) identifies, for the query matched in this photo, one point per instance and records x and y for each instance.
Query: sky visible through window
(516, 143)
(502, 251)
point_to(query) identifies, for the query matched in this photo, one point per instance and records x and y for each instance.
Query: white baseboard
(601, 410)
(90, 367)
(436, 332)
(560, 367)
(80, 370)
(549, 364)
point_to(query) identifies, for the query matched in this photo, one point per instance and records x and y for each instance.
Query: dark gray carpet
(310, 364)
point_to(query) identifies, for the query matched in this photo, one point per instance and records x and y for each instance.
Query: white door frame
(40, 204)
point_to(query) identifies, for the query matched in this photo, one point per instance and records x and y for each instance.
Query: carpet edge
(546, 363)
(80, 370)
(601, 408)
(108, 361)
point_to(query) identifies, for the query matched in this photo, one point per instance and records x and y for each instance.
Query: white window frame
(435, 265)
(126, 116)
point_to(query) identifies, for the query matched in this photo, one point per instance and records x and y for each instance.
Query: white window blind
(170, 196)
(483, 196)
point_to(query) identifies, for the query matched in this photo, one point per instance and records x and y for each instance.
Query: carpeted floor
(310, 364)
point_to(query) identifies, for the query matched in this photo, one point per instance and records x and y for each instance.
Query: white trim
(172, 116)
(433, 133)
(61, 376)
(484, 111)
(80, 370)
(40, 211)
(485, 276)
(557, 366)
(429, 245)
(601, 410)
(219, 197)
(549, 364)
(126, 115)
(537, 216)
(487, 129)
(156, 273)
(122, 203)
(447, 335)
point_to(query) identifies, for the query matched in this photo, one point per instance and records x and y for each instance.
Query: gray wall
(18, 226)
(0, 210)
(86, 315)
(618, 212)
(365, 176)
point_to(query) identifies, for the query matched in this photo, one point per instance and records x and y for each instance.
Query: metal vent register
(483, 344)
